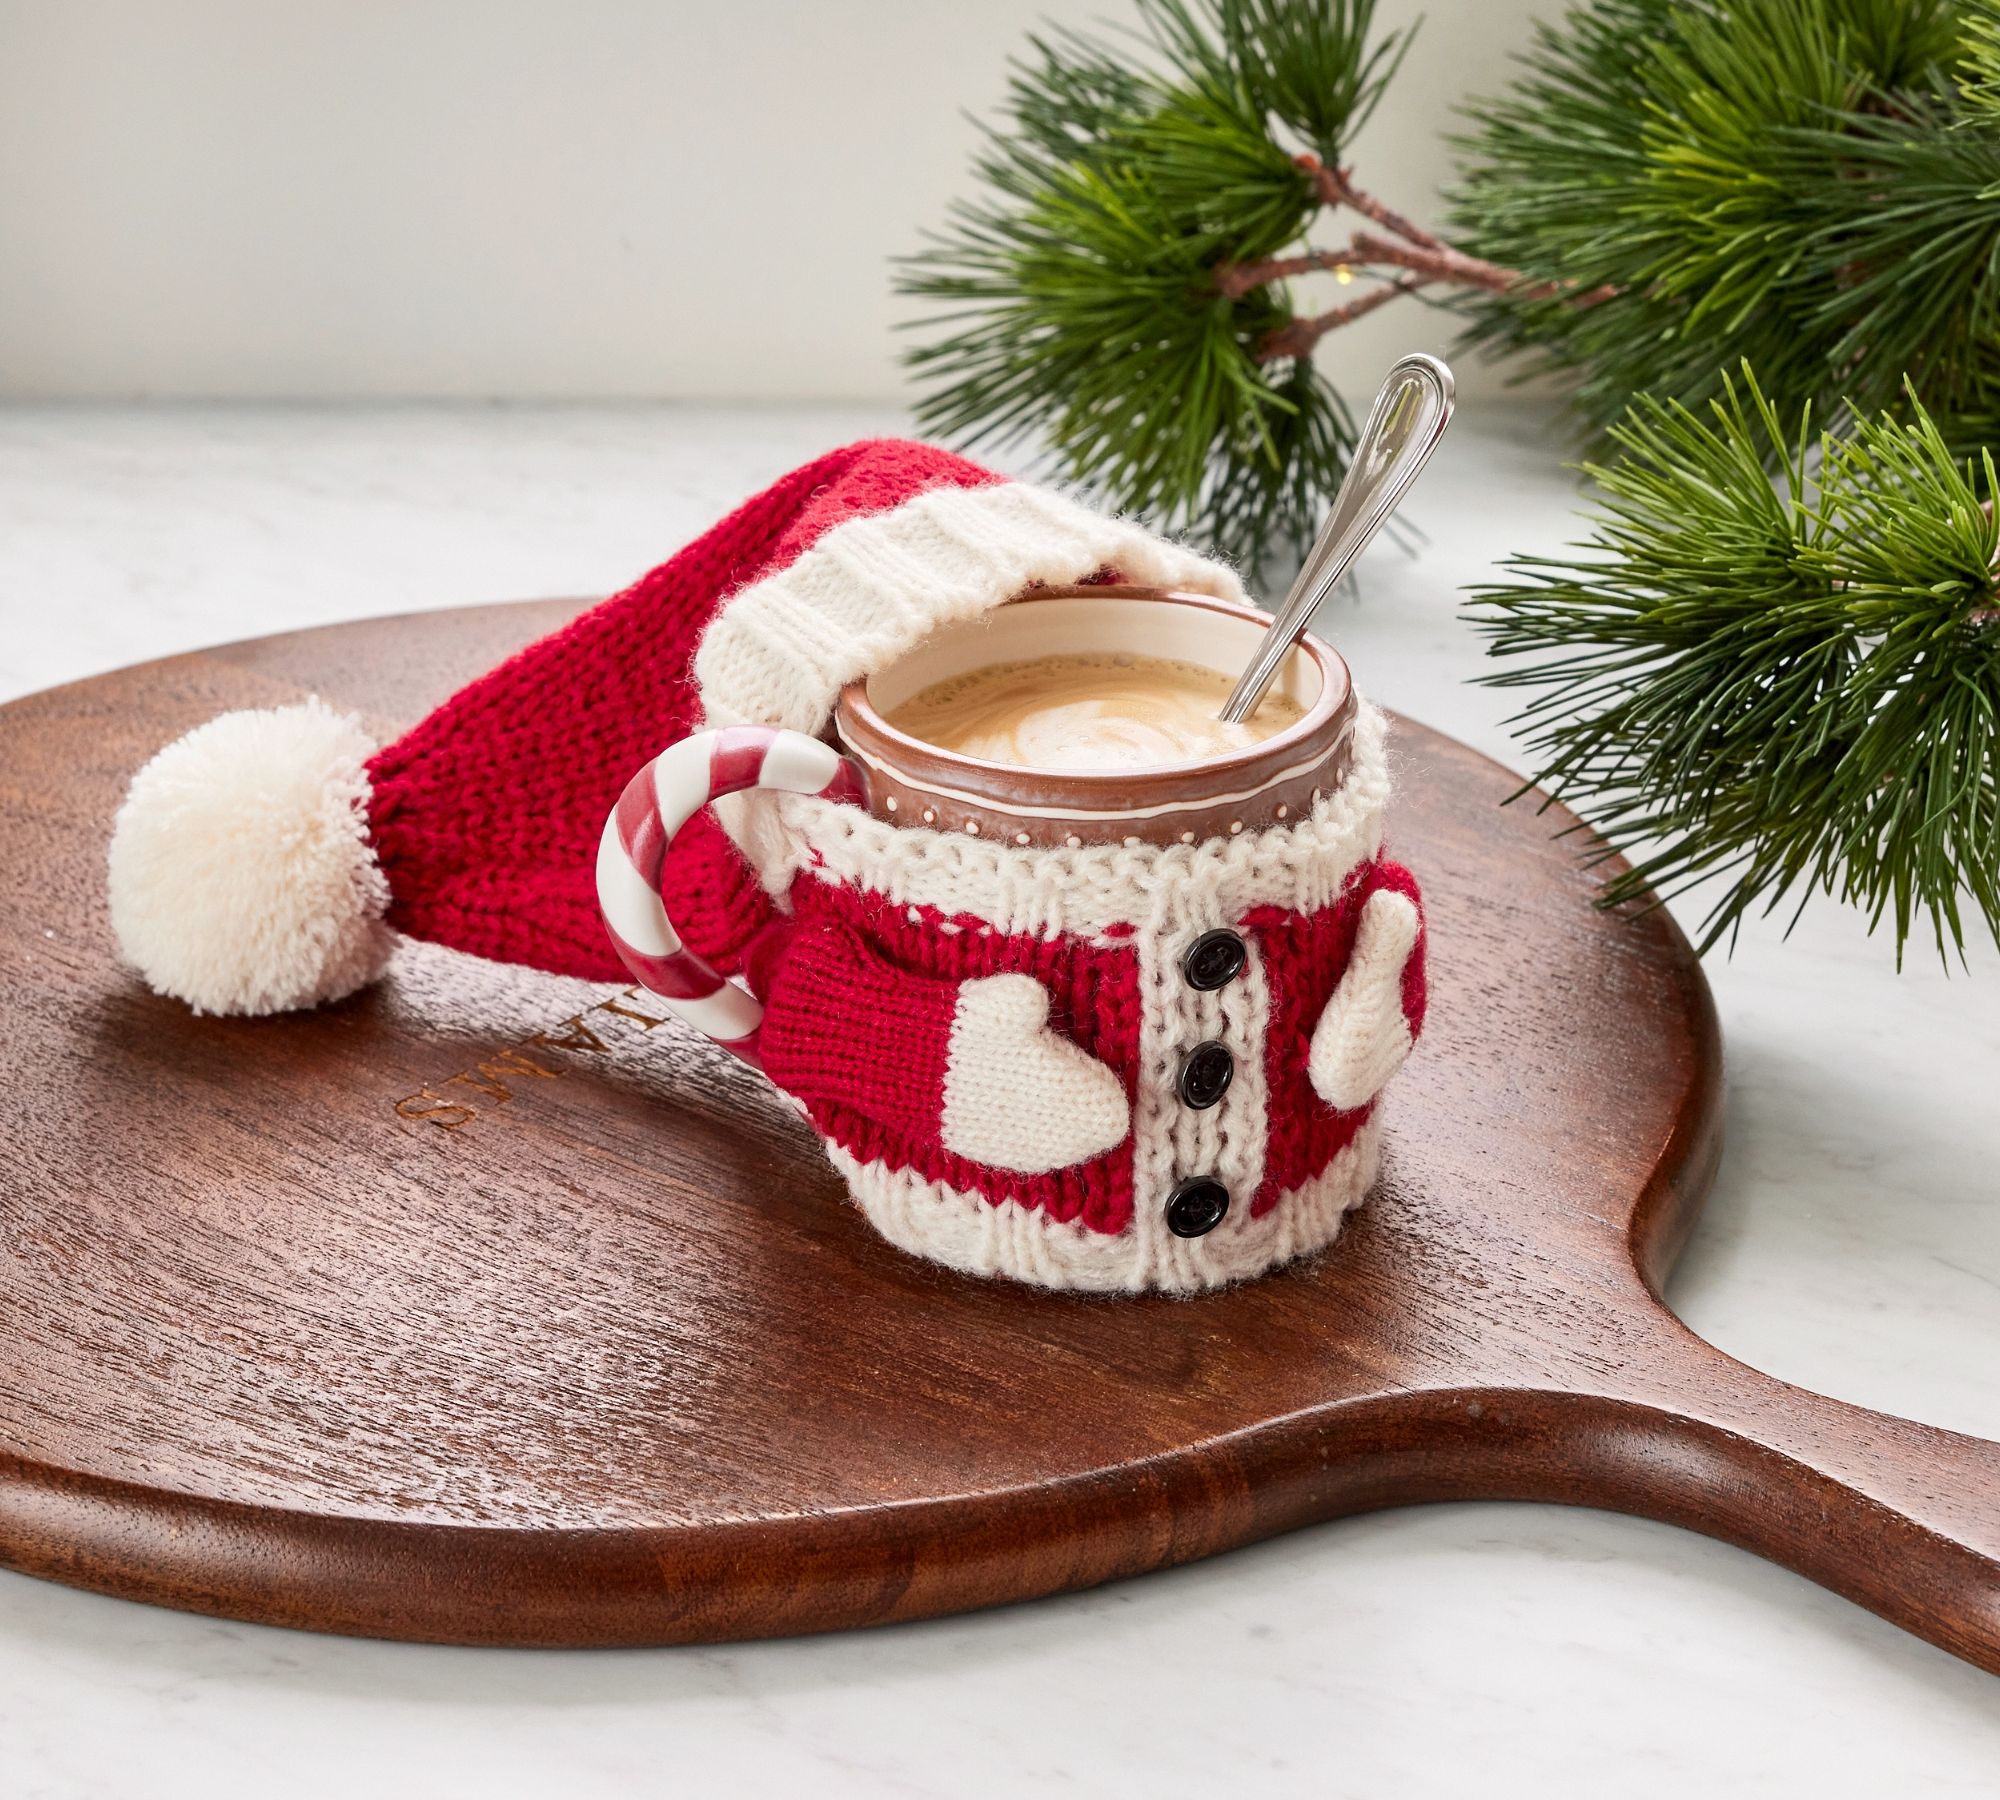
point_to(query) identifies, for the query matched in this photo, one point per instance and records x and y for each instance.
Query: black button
(1206, 1072)
(1213, 960)
(1196, 1207)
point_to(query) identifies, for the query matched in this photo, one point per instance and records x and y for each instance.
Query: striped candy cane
(657, 802)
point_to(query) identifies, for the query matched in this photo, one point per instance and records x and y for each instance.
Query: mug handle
(632, 854)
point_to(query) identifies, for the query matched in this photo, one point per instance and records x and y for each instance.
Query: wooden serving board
(481, 1309)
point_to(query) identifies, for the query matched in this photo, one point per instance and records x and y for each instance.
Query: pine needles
(1774, 660)
(1086, 298)
(1669, 188)
(1811, 186)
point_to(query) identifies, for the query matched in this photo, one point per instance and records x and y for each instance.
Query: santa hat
(268, 859)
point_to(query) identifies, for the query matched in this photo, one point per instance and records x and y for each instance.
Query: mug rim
(1308, 742)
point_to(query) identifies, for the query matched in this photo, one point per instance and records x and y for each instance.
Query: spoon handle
(1403, 428)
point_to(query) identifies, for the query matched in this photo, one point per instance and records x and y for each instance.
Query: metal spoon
(1404, 425)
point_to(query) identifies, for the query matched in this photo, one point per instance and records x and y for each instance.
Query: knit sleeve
(971, 1067)
(1377, 1009)
(845, 1027)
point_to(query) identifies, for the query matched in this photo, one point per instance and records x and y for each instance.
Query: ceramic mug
(1057, 1023)
(912, 783)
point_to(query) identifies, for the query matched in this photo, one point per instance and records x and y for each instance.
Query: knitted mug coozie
(1113, 1067)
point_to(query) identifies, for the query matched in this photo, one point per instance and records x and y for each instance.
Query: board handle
(1901, 1518)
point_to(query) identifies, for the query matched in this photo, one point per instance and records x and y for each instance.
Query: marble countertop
(1852, 1244)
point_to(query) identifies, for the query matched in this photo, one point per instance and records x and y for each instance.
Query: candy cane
(632, 854)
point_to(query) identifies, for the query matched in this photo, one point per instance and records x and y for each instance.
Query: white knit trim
(873, 588)
(983, 1237)
(1225, 1142)
(1301, 867)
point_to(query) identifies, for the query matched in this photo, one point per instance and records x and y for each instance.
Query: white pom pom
(242, 880)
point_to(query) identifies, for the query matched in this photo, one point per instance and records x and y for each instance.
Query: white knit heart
(1362, 1037)
(1017, 1096)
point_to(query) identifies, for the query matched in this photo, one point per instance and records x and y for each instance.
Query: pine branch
(1119, 291)
(1670, 188)
(1776, 662)
(1795, 183)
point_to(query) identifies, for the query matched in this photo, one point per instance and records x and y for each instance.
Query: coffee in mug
(1105, 711)
(1147, 672)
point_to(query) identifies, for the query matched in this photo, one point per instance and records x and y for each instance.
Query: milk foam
(1089, 713)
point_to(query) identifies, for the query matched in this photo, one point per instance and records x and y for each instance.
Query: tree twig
(1335, 187)
(1238, 279)
(1366, 250)
(1422, 253)
(1438, 262)
(1299, 337)
(1443, 263)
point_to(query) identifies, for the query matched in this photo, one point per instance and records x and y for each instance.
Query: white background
(557, 198)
